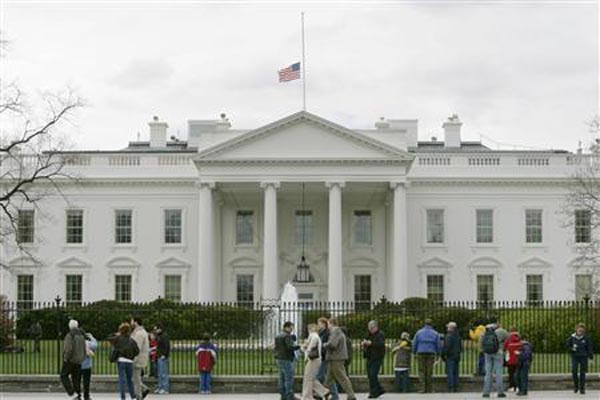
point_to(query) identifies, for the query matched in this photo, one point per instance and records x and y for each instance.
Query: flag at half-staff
(290, 73)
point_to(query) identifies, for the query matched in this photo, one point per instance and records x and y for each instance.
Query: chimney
(452, 131)
(382, 124)
(158, 133)
(223, 124)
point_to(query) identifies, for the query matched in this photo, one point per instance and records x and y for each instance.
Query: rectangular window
(535, 287)
(362, 292)
(485, 226)
(304, 227)
(583, 226)
(172, 226)
(485, 288)
(362, 227)
(584, 287)
(25, 226)
(435, 288)
(123, 226)
(173, 288)
(25, 292)
(123, 288)
(435, 226)
(74, 290)
(74, 226)
(244, 227)
(533, 226)
(245, 290)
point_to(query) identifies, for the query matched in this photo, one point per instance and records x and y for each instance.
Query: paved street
(462, 396)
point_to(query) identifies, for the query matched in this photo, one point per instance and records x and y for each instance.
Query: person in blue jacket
(426, 345)
(581, 348)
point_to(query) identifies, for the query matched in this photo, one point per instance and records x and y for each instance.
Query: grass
(234, 359)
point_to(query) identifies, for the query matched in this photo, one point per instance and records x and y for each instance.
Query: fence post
(57, 301)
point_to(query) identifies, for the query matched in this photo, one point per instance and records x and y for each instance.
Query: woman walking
(312, 359)
(125, 349)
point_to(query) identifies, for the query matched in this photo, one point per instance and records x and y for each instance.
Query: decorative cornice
(318, 161)
(491, 181)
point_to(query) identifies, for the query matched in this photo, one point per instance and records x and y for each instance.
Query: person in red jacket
(512, 348)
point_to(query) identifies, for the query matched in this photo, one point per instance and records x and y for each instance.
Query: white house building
(228, 214)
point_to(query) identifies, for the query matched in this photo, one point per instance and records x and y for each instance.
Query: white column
(207, 277)
(335, 276)
(399, 268)
(270, 263)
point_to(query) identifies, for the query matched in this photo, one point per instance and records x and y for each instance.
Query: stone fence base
(268, 384)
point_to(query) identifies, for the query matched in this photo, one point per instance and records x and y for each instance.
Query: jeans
(402, 381)
(493, 365)
(162, 365)
(513, 375)
(333, 389)
(582, 363)
(523, 378)
(72, 385)
(125, 370)
(452, 372)
(285, 380)
(373, 368)
(205, 379)
(86, 377)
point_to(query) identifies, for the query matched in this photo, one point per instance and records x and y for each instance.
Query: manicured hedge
(181, 321)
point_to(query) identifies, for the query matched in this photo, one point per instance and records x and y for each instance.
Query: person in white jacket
(140, 336)
(312, 359)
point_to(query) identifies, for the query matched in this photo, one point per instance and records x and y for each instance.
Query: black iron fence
(31, 334)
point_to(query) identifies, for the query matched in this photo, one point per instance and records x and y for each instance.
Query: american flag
(289, 73)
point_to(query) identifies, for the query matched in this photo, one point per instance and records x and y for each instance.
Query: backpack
(526, 355)
(490, 343)
(206, 360)
(132, 350)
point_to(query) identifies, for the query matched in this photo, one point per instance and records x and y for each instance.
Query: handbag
(113, 355)
(313, 354)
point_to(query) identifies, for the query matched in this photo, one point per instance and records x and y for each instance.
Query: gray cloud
(143, 73)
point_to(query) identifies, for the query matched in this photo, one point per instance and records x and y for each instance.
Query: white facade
(369, 194)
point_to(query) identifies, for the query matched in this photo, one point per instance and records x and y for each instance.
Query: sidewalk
(563, 395)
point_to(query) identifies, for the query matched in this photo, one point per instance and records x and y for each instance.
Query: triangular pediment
(24, 262)
(302, 136)
(535, 262)
(123, 262)
(173, 262)
(435, 262)
(73, 262)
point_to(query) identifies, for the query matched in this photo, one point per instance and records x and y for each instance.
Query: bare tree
(31, 163)
(581, 212)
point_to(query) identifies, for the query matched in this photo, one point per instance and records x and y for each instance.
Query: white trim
(132, 245)
(424, 243)
(183, 243)
(84, 240)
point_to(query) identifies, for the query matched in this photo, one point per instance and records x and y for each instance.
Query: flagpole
(303, 69)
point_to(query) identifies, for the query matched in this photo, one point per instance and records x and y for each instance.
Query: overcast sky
(524, 74)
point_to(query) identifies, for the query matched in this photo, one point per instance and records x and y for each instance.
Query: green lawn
(235, 358)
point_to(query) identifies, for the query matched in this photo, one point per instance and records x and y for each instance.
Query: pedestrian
(323, 324)
(346, 333)
(402, 350)
(153, 358)
(125, 349)
(91, 344)
(140, 362)
(206, 357)
(525, 358)
(336, 356)
(491, 344)
(426, 345)
(373, 347)
(285, 349)
(451, 352)
(36, 335)
(512, 347)
(477, 330)
(74, 353)
(581, 349)
(163, 350)
(312, 360)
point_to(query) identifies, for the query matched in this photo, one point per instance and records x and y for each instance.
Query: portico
(256, 177)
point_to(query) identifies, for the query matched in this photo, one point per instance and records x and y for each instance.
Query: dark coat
(580, 346)
(74, 350)
(376, 351)
(284, 346)
(163, 345)
(125, 346)
(452, 347)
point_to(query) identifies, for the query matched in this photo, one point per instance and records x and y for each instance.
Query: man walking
(426, 346)
(336, 356)
(324, 336)
(140, 336)
(451, 351)
(374, 350)
(491, 344)
(163, 349)
(74, 353)
(285, 349)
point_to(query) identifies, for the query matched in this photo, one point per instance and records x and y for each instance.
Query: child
(402, 362)
(525, 358)
(91, 344)
(206, 355)
(153, 343)
(512, 347)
